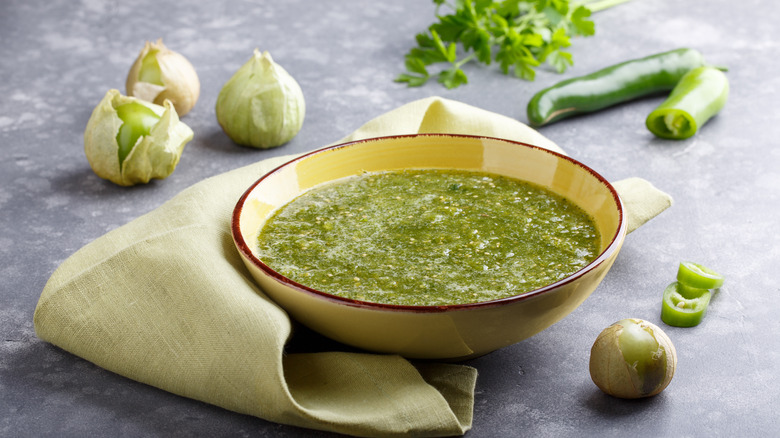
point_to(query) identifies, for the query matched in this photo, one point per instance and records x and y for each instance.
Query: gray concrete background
(58, 58)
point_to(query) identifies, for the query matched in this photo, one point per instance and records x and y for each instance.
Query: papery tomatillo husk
(159, 74)
(632, 358)
(261, 105)
(152, 156)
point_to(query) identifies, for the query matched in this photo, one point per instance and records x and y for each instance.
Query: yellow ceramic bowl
(431, 332)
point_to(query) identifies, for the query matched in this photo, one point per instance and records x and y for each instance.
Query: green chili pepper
(684, 306)
(698, 276)
(612, 85)
(699, 95)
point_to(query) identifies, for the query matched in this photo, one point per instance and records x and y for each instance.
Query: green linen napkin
(165, 300)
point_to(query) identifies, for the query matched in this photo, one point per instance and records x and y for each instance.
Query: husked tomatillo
(159, 74)
(261, 105)
(632, 358)
(130, 141)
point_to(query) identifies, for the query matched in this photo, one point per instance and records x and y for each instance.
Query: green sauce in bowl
(428, 237)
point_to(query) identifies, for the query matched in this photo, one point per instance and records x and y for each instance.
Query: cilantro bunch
(519, 35)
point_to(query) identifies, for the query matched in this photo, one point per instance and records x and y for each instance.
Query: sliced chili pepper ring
(698, 276)
(684, 306)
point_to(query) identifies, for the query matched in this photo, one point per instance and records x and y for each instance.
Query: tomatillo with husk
(632, 358)
(160, 74)
(261, 105)
(130, 141)
(137, 121)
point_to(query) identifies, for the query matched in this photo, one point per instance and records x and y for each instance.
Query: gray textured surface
(58, 58)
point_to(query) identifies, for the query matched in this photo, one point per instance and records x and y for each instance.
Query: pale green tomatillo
(632, 358)
(150, 69)
(261, 105)
(130, 141)
(159, 74)
(137, 121)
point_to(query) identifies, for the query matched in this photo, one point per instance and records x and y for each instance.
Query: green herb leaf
(517, 34)
(453, 77)
(560, 61)
(416, 65)
(411, 80)
(580, 22)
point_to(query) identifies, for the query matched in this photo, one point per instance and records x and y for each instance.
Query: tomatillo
(130, 141)
(137, 121)
(261, 105)
(159, 74)
(632, 358)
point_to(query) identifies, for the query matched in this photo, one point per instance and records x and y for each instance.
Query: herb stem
(600, 5)
(465, 60)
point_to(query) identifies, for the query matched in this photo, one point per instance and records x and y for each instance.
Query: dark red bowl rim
(242, 246)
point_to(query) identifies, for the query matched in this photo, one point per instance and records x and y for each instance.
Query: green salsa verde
(428, 237)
